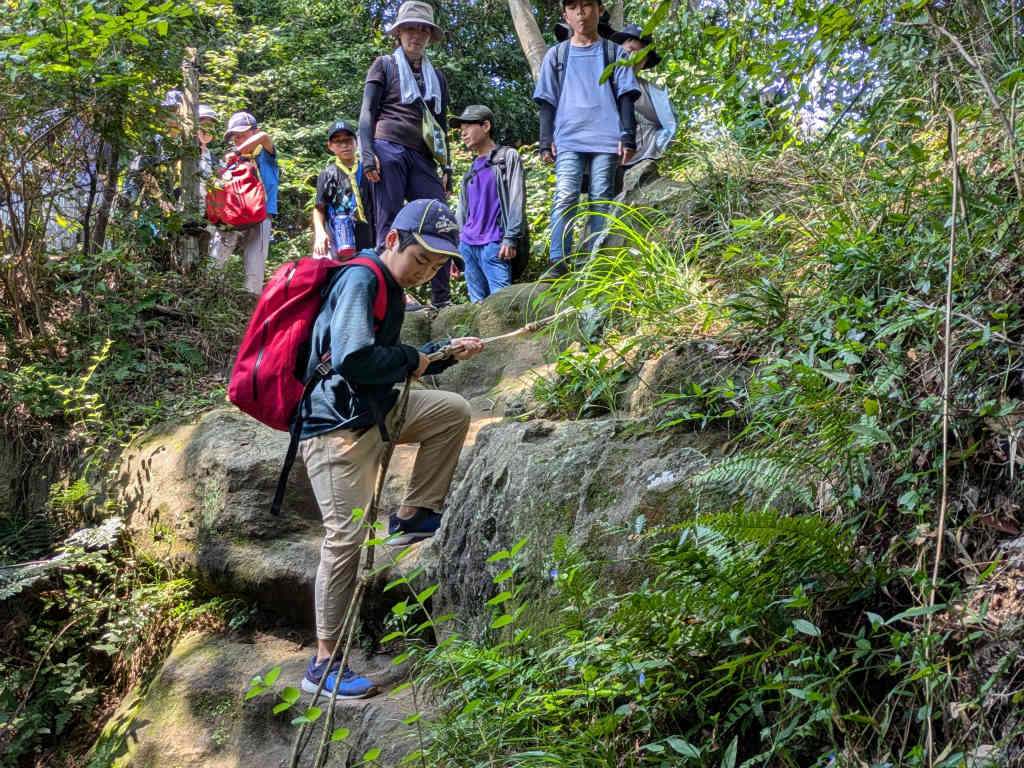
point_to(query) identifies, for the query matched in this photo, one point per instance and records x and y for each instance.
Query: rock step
(194, 713)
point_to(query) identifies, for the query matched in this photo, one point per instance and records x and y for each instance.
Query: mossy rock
(194, 712)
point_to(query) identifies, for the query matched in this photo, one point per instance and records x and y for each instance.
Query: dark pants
(407, 175)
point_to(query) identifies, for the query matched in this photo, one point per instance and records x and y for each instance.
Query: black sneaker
(422, 525)
(557, 269)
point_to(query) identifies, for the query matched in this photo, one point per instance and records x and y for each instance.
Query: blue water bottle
(343, 233)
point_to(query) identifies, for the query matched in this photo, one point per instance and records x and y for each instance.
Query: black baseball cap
(432, 224)
(342, 125)
(474, 113)
(634, 32)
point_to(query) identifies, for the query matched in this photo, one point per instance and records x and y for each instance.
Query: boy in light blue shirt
(585, 126)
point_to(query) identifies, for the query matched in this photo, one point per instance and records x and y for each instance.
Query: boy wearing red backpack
(346, 414)
(256, 146)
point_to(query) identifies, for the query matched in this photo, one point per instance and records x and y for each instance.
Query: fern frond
(766, 476)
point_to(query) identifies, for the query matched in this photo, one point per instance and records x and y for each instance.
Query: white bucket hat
(416, 12)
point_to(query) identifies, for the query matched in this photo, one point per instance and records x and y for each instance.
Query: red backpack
(236, 197)
(266, 379)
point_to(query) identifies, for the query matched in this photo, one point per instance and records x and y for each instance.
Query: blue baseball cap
(239, 123)
(432, 224)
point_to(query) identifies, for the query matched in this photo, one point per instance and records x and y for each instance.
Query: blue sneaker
(422, 525)
(350, 685)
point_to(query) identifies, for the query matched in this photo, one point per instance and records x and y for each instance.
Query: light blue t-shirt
(270, 175)
(586, 115)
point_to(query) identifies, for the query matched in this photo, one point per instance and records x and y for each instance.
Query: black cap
(342, 125)
(432, 224)
(474, 113)
(634, 32)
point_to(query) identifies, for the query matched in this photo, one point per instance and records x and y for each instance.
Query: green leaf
(656, 17)
(290, 694)
(839, 377)
(870, 406)
(500, 598)
(804, 626)
(340, 735)
(920, 610)
(426, 593)
(311, 715)
(372, 754)
(683, 747)
(503, 620)
(255, 690)
(519, 545)
(991, 569)
(282, 707)
(729, 758)
(413, 718)
(272, 676)
(505, 575)
(504, 554)
(872, 434)
(161, 28)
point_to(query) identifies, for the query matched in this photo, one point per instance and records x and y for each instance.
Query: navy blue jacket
(360, 389)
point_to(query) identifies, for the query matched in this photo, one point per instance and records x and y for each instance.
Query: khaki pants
(342, 467)
(255, 242)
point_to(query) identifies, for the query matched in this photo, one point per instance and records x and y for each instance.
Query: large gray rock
(504, 366)
(591, 480)
(194, 712)
(197, 497)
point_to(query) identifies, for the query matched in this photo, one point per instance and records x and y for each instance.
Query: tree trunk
(618, 15)
(189, 257)
(109, 154)
(94, 171)
(529, 35)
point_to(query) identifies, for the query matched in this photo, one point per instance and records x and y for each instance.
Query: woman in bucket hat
(656, 121)
(401, 135)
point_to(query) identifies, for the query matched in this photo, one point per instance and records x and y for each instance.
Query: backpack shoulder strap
(380, 302)
(561, 57)
(497, 156)
(610, 55)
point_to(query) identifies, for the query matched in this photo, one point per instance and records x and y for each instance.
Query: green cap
(474, 113)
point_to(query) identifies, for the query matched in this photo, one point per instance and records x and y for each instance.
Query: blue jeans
(485, 272)
(569, 169)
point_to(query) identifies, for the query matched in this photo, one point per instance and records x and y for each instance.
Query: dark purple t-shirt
(398, 122)
(482, 219)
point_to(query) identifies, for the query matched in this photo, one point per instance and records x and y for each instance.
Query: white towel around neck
(407, 82)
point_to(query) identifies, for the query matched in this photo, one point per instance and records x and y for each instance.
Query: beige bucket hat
(416, 12)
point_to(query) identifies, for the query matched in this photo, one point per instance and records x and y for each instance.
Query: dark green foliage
(88, 635)
(717, 654)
